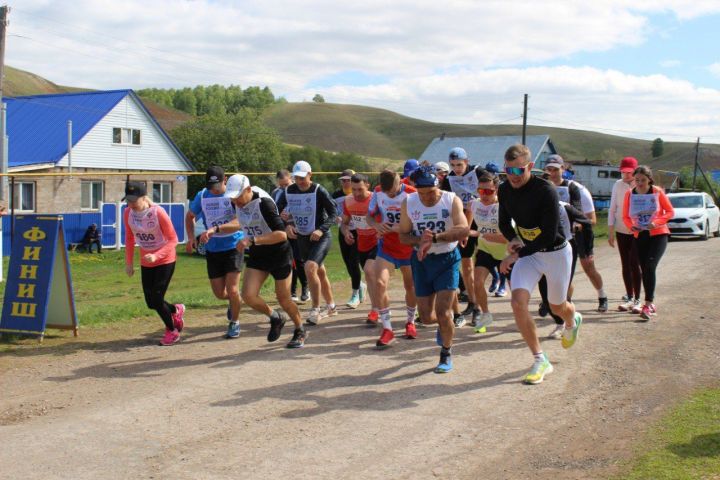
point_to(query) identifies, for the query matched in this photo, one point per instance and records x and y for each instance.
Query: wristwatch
(217, 228)
(252, 241)
(434, 238)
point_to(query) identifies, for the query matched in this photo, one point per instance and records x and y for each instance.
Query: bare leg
(520, 304)
(481, 274)
(444, 314)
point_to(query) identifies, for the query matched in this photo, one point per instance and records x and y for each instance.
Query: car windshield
(687, 201)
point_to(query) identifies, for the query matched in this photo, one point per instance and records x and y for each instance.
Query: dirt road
(113, 405)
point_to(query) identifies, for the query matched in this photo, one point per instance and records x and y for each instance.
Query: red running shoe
(178, 317)
(410, 331)
(385, 339)
(171, 337)
(372, 318)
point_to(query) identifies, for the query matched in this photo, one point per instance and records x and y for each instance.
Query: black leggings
(155, 281)
(630, 263)
(351, 259)
(298, 271)
(650, 250)
(542, 284)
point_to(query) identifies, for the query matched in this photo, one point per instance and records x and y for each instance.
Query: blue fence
(77, 223)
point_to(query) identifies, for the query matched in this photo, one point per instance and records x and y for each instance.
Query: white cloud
(457, 60)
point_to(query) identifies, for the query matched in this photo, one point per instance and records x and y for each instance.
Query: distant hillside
(381, 133)
(19, 82)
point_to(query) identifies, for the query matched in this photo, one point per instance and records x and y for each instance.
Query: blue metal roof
(481, 150)
(37, 124)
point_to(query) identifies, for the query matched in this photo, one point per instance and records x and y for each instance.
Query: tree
(239, 142)
(658, 146)
(318, 98)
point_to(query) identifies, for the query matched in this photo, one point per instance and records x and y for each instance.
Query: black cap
(134, 190)
(214, 175)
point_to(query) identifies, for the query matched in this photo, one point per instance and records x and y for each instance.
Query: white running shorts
(527, 271)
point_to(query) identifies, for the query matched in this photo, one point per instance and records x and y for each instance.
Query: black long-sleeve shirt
(534, 207)
(325, 212)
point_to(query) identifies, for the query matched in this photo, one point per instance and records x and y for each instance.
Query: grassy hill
(381, 133)
(388, 138)
(19, 82)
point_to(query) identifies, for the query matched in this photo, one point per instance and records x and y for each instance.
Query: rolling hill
(389, 137)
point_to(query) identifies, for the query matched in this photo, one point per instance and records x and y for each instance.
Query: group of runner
(428, 223)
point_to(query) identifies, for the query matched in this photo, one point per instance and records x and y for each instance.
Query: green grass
(104, 294)
(685, 444)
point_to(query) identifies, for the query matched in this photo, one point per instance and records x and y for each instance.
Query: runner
(646, 211)
(269, 254)
(497, 285)
(313, 213)
(540, 249)
(441, 170)
(432, 221)
(224, 262)
(384, 217)
(492, 245)
(358, 234)
(579, 197)
(284, 180)
(617, 230)
(463, 182)
(348, 249)
(150, 227)
(410, 166)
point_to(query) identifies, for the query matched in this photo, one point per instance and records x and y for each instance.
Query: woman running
(646, 211)
(492, 245)
(149, 226)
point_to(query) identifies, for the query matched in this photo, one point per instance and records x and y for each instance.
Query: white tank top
(145, 226)
(217, 211)
(302, 207)
(390, 206)
(464, 186)
(486, 220)
(437, 218)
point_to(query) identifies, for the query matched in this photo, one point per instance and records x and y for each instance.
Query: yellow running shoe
(569, 336)
(538, 371)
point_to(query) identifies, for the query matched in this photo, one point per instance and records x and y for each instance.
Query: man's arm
(460, 228)
(406, 234)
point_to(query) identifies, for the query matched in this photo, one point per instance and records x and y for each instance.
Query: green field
(685, 444)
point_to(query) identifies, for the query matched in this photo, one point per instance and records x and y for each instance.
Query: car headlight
(697, 216)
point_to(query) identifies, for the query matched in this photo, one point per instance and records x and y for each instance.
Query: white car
(696, 215)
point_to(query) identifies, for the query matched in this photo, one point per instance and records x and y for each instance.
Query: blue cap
(492, 168)
(424, 177)
(410, 166)
(457, 153)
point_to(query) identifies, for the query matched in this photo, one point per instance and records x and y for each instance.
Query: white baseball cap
(301, 169)
(442, 167)
(235, 186)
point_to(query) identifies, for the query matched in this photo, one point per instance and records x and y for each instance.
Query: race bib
(643, 209)
(529, 234)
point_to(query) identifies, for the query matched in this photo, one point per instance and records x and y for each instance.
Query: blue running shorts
(436, 272)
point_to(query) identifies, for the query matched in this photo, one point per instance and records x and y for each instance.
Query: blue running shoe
(438, 338)
(500, 292)
(445, 364)
(233, 330)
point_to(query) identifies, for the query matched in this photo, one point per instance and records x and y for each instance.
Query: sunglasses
(515, 170)
(486, 191)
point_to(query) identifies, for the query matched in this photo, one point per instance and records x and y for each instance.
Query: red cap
(628, 164)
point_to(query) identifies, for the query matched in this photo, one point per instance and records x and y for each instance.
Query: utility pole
(695, 167)
(524, 118)
(4, 10)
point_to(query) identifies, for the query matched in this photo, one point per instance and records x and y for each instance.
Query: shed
(481, 150)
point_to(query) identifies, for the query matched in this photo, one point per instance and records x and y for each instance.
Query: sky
(635, 68)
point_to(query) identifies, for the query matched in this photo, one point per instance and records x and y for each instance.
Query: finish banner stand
(38, 293)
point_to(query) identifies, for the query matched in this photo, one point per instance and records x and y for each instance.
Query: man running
(579, 197)
(224, 262)
(270, 254)
(313, 213)
(432, 221)
(348, 248)
(463, 182)
(384, 216)
(284, 180)
(539, 248)
(357, 233)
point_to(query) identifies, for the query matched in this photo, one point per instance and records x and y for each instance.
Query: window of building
(615, 174)
(162, 192)
(91, 194)
(24, 197)
(126, 136)
(603, 174)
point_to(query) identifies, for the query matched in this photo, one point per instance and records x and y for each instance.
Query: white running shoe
(556, 334)
(354, 300)
(363, 292)
(314, 316)
(626, 306)
(637, 307)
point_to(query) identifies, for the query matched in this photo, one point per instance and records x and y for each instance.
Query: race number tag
(643, 209)
(563, 194)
